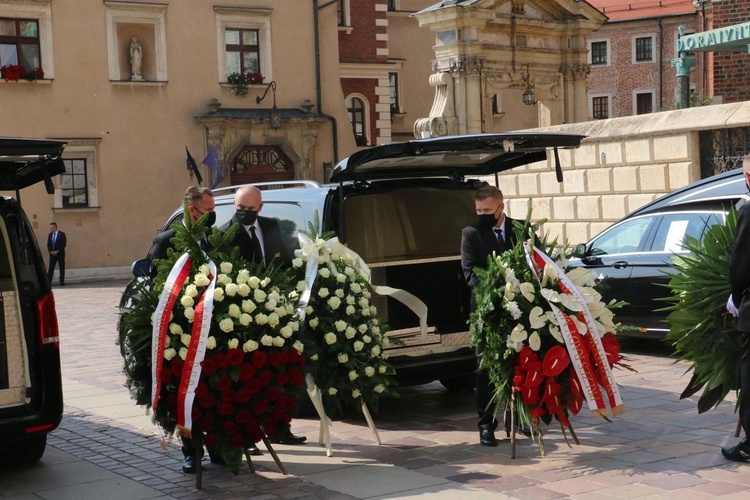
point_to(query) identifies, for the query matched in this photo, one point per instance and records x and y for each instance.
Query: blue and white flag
(212, 161)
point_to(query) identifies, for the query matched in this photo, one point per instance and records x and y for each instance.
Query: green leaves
(703, 333)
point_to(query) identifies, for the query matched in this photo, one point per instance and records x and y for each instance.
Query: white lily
(519, 334)
(535, 342)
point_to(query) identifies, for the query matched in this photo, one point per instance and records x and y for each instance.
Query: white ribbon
(326, 248)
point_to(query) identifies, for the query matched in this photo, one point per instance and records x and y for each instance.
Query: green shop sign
(729, 39)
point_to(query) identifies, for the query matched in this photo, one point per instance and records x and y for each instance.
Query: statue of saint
(136, 59)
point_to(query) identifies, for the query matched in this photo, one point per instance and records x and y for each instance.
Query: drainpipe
(661, 61)
(318, 91)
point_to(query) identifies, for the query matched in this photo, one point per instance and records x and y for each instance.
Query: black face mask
(487, 220)
(211, 219)
(246, 217)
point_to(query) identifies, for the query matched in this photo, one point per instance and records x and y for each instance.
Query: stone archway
(261, 164)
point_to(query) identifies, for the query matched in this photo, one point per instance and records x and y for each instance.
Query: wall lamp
(274, 116)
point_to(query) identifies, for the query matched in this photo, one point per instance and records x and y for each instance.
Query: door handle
(620, 264)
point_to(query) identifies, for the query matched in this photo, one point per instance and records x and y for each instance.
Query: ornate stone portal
(489, 53)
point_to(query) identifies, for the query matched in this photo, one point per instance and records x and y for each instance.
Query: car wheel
(462, 383)
(23, 452)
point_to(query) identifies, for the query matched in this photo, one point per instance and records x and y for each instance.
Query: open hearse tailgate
(24, 162)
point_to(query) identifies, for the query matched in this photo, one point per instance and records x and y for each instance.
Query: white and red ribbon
(196, 350)
(585, 350)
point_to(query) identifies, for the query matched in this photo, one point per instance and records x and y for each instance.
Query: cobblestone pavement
(106, 447)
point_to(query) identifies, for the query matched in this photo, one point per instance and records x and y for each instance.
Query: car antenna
(558, 168)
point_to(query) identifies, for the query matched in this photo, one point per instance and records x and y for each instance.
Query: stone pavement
(106, 446)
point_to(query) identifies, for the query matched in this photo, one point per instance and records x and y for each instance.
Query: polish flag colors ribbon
(584, 347)
(196, 350)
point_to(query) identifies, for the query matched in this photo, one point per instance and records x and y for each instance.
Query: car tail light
(49, 334)
(39, 428)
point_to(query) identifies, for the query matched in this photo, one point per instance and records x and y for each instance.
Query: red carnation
(243, 416)
(260, 407)
(230, 428)
(264, 377)
(209, 366)
(253, 387)
(247, 372)
(296, 377)
(177, 365)
(224, 383)
(225, 409)
(275, 358)
(259, 359)
(201, 390)
(210, 440)
(243, 395)
(222, 360)
(555, 361)
(207, 401)
(236, 357)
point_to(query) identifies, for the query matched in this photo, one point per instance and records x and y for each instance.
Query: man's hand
(731, 308)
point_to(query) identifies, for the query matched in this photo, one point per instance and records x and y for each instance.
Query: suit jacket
(60, 243)
(478, 243)
(273, 245)
(739, 269)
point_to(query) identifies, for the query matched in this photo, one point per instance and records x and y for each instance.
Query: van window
(408, 223)
(624, 238)
(14, 362)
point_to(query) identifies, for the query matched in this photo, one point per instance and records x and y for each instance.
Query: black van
(31, 400)
(402, 207)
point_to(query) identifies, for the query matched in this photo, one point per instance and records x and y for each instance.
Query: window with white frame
(244, 41)
(357, 108)
(643, 102)
(393, 89)
(643, 49)
(77, 186)
(131, 21)
(599, 53)
(26, 36)
(600, 107)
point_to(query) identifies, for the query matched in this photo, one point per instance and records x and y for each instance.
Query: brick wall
(622, 77)
(360, 44)
(731, 69)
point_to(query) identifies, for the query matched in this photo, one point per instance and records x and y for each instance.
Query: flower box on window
(240, 81)
(15, 72)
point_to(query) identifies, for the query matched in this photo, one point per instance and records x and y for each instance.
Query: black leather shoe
(487, 437)
(188, 467)
(739, 453)
(254, 450)
(288, 438)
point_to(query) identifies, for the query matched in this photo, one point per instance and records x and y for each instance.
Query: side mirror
(579, 251)
(141, 268)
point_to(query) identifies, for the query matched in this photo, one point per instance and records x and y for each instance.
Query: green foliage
(703, 333)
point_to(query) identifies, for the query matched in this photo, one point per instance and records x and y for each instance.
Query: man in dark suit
(739, 305)
(56, 242)
(260, 241)
(493, 233)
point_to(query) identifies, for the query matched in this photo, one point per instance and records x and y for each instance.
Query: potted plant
(240, 81)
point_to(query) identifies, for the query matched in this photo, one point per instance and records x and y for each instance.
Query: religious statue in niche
(136, 60)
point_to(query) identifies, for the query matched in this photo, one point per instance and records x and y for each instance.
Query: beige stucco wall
(142, 129)
(622, 164)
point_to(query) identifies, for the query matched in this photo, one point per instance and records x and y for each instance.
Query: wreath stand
(199, 455)
(511, 431)
(324, 436)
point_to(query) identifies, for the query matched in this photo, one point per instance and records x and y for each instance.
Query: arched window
(357, 115)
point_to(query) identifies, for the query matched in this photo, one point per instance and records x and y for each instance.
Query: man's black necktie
(257, 252)
(499, 235)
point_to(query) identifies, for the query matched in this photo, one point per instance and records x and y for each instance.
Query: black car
(31, 400)
(634, 255)
(402, 207)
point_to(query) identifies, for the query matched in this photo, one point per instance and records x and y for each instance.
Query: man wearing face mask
(259, 239)
(493, 233)
(200, 201)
